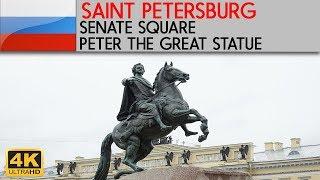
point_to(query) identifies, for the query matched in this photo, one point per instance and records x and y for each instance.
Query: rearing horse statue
(174, 112)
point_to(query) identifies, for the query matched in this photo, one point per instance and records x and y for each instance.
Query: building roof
(287, 153)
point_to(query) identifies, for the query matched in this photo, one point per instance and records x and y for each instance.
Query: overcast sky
(67, 103)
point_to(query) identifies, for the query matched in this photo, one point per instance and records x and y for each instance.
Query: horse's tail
(105, 158)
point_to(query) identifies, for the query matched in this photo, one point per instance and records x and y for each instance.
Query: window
(293, 153)
(305, 178)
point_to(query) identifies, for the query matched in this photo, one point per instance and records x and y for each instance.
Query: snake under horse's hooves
(117, 176)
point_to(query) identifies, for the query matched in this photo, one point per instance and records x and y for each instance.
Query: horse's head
(172, 74)
(169, 74)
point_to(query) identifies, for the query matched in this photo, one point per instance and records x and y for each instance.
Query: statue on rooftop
(244, 149)
(224, 153)
(186, 156)
(169, 158)
(116, 163)
(60, 168)
(72, 167)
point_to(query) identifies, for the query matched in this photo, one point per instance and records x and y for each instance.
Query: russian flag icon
(38, 25)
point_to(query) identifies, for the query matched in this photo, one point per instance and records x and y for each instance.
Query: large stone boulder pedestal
(186, 173)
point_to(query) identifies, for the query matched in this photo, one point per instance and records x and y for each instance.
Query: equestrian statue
(148, 112)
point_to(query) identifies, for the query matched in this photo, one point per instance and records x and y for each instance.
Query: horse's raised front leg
(190, 119)
(203, 126)
(179, 112)
(198, 115)
(182, 113)
(187, 132)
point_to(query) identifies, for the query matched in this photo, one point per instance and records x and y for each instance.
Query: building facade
(274, 163)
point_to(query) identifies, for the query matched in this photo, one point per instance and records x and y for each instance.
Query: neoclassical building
(276, 162)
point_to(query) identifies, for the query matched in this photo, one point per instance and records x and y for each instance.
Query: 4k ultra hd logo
(24, 162)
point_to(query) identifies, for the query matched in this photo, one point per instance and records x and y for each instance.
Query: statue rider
(136, 99)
